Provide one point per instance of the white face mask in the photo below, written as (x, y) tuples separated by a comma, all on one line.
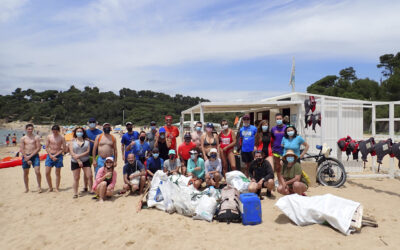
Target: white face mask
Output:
[(225, 126), (92, 125), (264, 128)]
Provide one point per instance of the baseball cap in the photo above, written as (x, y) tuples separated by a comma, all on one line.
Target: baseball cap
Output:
[(92, 120), (128, 123), (106, 123), (187, 135), (246, 117), (161, 130), (110, 158), (213, 150), (171, 152), (152, 123), (168, 117), (210, 125)]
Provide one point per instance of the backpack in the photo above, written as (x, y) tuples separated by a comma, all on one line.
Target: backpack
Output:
[(112, 137), (229, 208)]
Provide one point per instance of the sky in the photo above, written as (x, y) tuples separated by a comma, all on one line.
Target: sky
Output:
[(226, 50)]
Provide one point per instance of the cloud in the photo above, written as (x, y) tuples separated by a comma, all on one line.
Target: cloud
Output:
[(122, 43), (10, 9)]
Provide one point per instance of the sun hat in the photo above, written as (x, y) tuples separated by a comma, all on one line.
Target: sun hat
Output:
[(290, 152)]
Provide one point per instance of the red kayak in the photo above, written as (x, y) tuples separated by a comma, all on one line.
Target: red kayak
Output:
[(17, 161)]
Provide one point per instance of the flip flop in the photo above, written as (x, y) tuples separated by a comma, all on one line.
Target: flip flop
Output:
[(75, 196), (95, 197)]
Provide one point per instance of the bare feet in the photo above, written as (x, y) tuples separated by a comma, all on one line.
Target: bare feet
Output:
[(50, 190), (40, 190), (101, 200), (57, 190), (26, 190)]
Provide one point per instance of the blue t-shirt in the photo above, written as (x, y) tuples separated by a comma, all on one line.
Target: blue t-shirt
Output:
[(293, 144), (139, 150), (128, 138), (92, 134), (129, 169), (248, 134), (155, 164)]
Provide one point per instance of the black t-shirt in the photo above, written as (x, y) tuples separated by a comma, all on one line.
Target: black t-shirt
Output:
[(259, 172), (132, 168), (163, 150), (266, 139)]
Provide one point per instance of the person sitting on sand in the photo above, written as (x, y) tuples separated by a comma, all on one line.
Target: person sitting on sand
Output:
[(261, 174), (196, 168), (294, 181), (55, 147), (172, 165), (29, 148), (154, 163), (213, 168), (79, 149), (106, 146), (105, 180), (162, 143), (134, 175)]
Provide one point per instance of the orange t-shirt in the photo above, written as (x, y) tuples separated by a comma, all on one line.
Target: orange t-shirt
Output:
[(184, 149), (172, 132)]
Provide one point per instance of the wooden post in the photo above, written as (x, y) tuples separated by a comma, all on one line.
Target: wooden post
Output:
[(191, 120)]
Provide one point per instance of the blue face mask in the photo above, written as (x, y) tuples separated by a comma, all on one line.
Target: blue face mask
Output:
[(279, 122), (264, 128), (290, 159), (198, 128), (290, 133), (193, 157), (79, 134), (155, 155), (92, 125), (162, 136), (214, 156)]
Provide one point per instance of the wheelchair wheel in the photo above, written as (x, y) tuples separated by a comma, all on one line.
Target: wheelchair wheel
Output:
[(331, 172)]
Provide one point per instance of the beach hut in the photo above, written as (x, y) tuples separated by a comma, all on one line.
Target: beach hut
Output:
[(339, 117)]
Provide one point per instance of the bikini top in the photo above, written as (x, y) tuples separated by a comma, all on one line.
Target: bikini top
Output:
[(206, 143)]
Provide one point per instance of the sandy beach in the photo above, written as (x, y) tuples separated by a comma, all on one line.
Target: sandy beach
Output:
[(56, 221)]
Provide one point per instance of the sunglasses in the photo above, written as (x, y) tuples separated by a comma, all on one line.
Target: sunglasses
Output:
[(246, 119)]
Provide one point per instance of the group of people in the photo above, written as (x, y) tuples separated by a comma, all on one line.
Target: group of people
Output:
[(205, 156), (13, 139)]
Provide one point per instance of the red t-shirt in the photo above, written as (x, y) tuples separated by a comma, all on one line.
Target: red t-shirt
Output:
[(184, 149), (172, 132)]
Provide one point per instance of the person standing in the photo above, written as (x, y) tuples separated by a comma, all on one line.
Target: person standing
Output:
[(139, 147), (154, 163), (8, 140), (227, 140), (29, 148), (277, 134), (197, 134), (79, 148), (106, 146), (247, 135), (209, 140), (163, 144), (55, 147), (264, 141), (184, 149), (293, 141), (151, 135), (91, 134), (171, 131), (127, 138), (14, 139), (261, 174)]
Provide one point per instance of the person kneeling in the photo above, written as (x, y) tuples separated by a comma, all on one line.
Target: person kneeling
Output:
[(105, 180), (195, 168), (294, 181), (134, 175), (213, 169), (261, 175)]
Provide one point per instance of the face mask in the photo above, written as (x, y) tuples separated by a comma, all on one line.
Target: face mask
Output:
[(79, 134), (290, 133), (153, 128), (188, 140), (259, 160), (171, 157), (214, 156), (193, 157), (290, 159), (129, 129), (264, 128), (246, 124), (209, 129), (92, 125), (225, 127), (198, 128), (155, 155), (162, 136), (279, 122), (107, 130), (142, 138)]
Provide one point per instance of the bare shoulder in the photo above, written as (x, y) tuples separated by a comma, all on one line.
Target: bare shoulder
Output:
[(37, 138)]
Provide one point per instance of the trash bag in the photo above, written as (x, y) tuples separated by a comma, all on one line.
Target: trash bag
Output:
[(155, 184), (238, 180), (206, 208)]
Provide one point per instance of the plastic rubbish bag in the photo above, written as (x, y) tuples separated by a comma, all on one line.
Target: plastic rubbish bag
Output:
[(206, 208), (238, 180), (167, 190), (155, 183), (304, 210)]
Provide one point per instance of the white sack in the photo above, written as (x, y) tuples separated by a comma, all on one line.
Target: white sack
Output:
[(155, 183), (205, 210), (238, 180), (304, 210)]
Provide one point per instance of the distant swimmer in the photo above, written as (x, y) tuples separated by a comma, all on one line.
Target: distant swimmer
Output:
[(29, 148), (106, 146), (55, 147)]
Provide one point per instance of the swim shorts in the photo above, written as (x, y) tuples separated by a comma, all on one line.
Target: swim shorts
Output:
[(35, 162), (57, 163)]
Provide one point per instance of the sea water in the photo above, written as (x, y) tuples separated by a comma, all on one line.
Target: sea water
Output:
[(5, 132)]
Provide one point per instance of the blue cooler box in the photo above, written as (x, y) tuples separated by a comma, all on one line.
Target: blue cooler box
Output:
[(251, 209)]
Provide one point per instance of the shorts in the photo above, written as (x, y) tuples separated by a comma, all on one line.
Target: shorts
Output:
[(75, 165), (35, 162), (247, 157), (57, 163)]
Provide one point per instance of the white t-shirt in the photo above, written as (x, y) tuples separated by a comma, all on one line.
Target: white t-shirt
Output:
[(213, 165)]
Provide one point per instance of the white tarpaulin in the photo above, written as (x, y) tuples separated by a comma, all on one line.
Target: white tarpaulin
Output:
[(304, 210)]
